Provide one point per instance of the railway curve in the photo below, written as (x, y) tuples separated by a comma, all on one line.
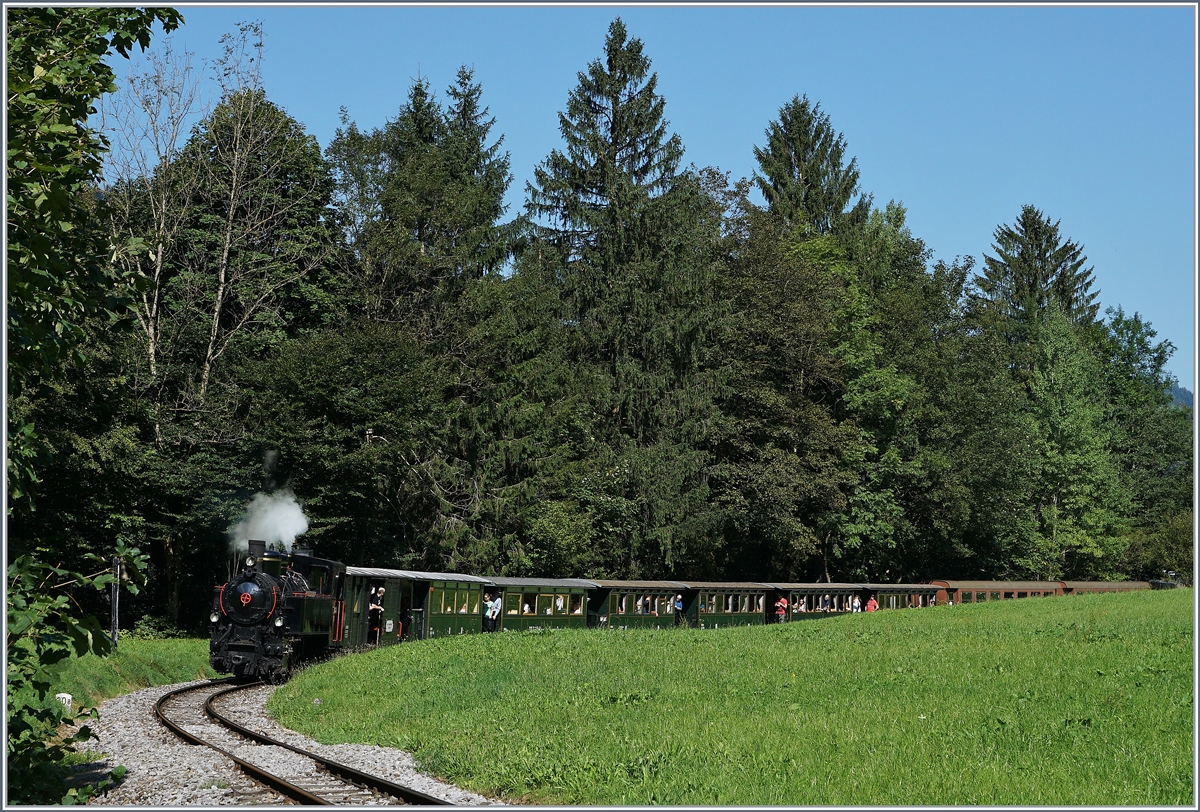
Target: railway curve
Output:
[(301, 777)]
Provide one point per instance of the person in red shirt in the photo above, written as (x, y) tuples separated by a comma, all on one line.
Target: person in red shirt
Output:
[(872, 605), (781, 606)]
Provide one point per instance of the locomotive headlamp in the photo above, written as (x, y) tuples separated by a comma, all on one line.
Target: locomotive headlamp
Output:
[(279, 621), (249, 561), (214, 617)]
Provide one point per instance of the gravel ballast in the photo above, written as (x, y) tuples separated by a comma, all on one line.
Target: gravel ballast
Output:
[(165, 771)]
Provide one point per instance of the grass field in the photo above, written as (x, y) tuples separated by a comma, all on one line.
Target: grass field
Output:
[(1075, 700), (133, 665)]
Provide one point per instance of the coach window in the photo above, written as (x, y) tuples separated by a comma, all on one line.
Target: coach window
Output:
[(512, 603), (980, 597), (576, 604), (435, 602), (1022, 594), (474, 601)]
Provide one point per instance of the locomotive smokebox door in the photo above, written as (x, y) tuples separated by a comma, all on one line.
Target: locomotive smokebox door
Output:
[(258, 548)]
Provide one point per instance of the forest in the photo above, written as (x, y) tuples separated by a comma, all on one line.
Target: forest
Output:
[(644, 373)]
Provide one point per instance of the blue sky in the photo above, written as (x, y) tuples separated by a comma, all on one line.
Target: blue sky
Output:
[(964, 114)]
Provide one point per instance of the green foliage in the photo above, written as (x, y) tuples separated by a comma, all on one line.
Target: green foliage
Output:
[(786, 463), (1071, 700), (1077, 498), (804, 178), (59, 275), (155, 628), (1034, 271), (632, 246), (420, 200), (44, 628)]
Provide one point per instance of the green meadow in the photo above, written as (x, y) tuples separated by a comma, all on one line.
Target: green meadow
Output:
[(1074, 700)]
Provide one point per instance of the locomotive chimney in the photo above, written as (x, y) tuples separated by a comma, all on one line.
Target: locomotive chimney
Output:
[(258, 548)]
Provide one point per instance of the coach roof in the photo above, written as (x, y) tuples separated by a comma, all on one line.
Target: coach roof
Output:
[(539, 583), (415, 575)]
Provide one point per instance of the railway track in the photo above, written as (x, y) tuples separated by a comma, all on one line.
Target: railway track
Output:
[(295, 775)]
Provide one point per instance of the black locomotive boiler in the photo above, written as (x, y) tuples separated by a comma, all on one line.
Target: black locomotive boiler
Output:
[(278, 610)]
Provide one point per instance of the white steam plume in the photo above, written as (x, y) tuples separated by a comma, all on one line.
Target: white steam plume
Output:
[(273, 517)]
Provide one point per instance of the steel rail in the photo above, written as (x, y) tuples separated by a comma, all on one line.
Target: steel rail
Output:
[(408, 794), (286, 788)]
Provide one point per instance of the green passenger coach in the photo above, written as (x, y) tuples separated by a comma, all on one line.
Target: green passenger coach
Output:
[(721, 605), (635, 604), (541, 604), (416, 605)]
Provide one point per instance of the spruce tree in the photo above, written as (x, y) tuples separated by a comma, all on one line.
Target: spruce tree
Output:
[(1034, 268), (630, 240), (618, 159), (803, 175), (420, 201)]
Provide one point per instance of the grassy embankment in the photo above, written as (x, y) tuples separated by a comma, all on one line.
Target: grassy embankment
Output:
[(133, 665), (1076, 700)]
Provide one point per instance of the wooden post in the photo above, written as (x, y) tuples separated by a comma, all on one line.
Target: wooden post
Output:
[(116, 591)]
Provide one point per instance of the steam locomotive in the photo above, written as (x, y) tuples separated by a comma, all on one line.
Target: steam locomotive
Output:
[(282, 609), (278, 610)]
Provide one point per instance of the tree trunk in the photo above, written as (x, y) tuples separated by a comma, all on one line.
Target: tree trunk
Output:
[(174, 561)]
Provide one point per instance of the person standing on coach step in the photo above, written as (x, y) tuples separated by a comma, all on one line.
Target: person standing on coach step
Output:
[(375, 616)]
